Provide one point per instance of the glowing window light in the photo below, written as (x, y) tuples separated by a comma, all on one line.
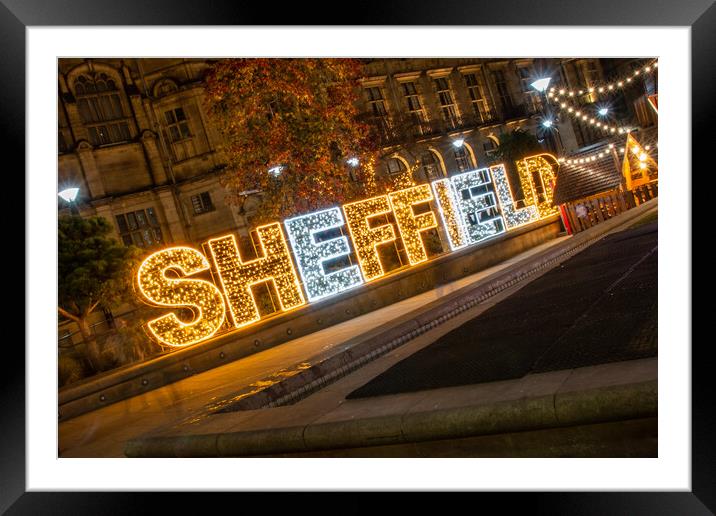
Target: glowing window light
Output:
[(514, 217), (447, 205), (539, 195), (311, 255), (237, 276), (410, 225), (479, 214), (365, 238), (202, 297)]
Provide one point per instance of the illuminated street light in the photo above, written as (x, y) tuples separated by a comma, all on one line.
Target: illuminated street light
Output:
[(275, 171), (353, 162), (458, 143), (541, 84), (547, 123), (603, 111), (69, 194)]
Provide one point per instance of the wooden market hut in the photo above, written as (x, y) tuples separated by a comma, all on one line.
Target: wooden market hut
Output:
[(590, 186)]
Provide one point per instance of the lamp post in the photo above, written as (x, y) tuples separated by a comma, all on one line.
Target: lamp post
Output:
[(69, 195), (548, 122)]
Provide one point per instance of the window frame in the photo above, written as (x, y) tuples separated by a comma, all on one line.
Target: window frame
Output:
[(131, 232), (98, 109)]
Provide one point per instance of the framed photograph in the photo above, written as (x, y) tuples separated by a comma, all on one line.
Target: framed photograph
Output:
[(385, 256)]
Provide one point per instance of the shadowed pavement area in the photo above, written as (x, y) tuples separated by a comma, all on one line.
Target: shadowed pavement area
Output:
[(599, 306)]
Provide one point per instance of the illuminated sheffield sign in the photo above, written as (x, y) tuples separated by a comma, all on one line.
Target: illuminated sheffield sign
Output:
[(472, 207)]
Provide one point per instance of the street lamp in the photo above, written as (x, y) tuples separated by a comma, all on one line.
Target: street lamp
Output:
[(69, 195), (353, 162), (458, 143), (541, 84), (603, 111)]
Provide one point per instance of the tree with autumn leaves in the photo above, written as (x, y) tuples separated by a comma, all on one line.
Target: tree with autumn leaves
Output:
[(292, 133)]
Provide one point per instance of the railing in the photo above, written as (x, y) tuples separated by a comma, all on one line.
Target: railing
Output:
[(397, 130), (644, 193), (586, 213)]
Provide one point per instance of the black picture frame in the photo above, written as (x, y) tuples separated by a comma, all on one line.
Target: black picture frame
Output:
[(17, 15)]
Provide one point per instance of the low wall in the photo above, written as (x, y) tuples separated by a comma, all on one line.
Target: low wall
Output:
[(136, 379)]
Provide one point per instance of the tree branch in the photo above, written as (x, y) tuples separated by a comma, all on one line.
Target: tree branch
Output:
[(67, 314)]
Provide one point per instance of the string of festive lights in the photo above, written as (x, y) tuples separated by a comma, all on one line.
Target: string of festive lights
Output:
[(586, 158), (202, 297), (514, 217), (366, 238), (477, 206), (312, 255), (237, 276), (582, 115), (410, 225), (646, 147), (556, 93)]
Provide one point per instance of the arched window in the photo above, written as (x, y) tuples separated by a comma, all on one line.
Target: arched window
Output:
[(100, 107), (490, 145), (395, 167), (430, 166), (462, 159)]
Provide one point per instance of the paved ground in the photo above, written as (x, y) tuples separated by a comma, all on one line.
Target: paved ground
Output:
[(598, 307)]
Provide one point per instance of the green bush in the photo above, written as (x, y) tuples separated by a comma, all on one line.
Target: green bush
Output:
[(69, 370)]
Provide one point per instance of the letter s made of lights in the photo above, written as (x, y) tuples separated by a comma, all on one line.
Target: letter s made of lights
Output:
[(202, 297)]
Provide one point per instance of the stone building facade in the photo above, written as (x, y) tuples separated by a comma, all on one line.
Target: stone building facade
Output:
[(134, 136)]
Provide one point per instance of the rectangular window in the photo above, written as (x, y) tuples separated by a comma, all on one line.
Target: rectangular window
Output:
[(530, 95), (376, 102), (525, 77), (412, 100), (503, 90), (395, 167), (591, 73), (477, 98), (96, 111), (139, 228), (202, 203), (448, 108), (179, 134), (177, 124), (489, 147), (463, 161)]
